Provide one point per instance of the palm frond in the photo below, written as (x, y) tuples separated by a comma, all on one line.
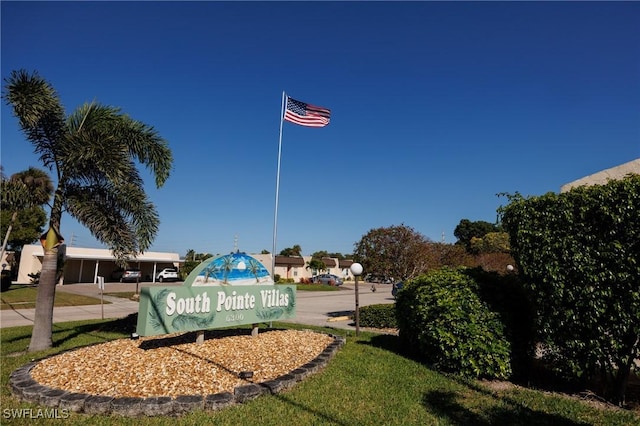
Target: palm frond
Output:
[(120, 216), (37, 106), (115, 140)]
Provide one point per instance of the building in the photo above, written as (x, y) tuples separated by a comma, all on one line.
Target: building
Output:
[(601, 178), (294, 267), (85, 265)]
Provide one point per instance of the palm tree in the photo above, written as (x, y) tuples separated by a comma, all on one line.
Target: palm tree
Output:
[(25, 190), (92, 154), (316, 265)]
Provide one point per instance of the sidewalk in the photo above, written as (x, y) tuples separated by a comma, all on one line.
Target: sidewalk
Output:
[(113, 307)]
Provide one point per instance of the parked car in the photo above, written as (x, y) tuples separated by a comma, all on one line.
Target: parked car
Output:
[(396, 288), (167, 274), (327, 279), (380, 279), (128, 274)]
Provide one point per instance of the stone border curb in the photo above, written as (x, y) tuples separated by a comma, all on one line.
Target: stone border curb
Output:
[(25, 388)]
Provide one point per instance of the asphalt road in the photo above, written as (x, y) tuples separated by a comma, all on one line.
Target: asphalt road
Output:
[(319, 308)]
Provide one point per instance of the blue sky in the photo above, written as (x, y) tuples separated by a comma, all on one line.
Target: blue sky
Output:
[(436, 107)]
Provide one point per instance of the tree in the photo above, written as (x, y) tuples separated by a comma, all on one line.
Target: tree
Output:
[(323, 253), (92, 153), (22, 215), (491, 242), (296, 250), (466, 230), (190, 256), (579, 255), (192, 260), (438, 255), (397, 252), (320, 254), (316, 264)]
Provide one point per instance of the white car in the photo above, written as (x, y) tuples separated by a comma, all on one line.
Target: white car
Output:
[(167, 274)]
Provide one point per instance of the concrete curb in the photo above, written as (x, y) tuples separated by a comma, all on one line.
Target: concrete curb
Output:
[(25, 388)]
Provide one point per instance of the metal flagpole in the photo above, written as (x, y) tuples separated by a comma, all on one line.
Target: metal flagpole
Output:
[(275, 215)]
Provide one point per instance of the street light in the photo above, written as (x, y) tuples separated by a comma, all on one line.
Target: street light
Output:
[(356, 270)]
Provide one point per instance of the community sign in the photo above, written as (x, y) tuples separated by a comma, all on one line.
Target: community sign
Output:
[(234, 289)]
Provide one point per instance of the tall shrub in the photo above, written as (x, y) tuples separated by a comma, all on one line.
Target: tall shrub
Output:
[(579, 254), (505, 294), (441, 316)]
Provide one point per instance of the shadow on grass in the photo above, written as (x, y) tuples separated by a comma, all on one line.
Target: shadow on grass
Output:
[(68, 335), (506, 410), (124, 326), (325, 417), (446, 405), (388, 342)]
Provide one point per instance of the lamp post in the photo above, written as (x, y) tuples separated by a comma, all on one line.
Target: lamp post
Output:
[(356, 270)]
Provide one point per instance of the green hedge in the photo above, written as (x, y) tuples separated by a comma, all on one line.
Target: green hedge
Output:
[(579, 256), (443, 320), (378, 316)]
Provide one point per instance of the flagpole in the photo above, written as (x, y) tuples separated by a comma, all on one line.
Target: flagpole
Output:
[(275, 215)]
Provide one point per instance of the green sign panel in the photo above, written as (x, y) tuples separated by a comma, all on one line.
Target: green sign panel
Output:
[(231, 290)]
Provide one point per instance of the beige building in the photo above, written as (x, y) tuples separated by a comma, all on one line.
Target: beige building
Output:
[(602, 177), (294, 267)]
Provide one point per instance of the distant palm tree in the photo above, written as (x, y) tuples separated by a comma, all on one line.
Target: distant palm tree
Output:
[(190, 256), (316, 265), (24, 190), (93, 154)]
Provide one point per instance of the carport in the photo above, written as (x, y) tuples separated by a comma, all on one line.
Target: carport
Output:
[(84, 265)]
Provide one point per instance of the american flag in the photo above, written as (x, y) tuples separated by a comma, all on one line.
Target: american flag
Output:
[(306, 115)]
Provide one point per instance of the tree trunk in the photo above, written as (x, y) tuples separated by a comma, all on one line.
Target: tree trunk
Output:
[(620, 381), (6, 237), (41, 337), (621, 376)]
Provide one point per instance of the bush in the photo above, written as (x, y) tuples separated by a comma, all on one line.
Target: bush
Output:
[(579, 255), (378, 316), (505, 294), (6, 280), (443, 320), (35, 278)]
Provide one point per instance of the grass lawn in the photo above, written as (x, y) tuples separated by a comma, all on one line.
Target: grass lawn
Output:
[(316, 287), (369, 382), (24, 297)]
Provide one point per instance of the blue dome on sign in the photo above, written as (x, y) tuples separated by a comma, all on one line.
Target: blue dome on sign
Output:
[(231, 269)]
